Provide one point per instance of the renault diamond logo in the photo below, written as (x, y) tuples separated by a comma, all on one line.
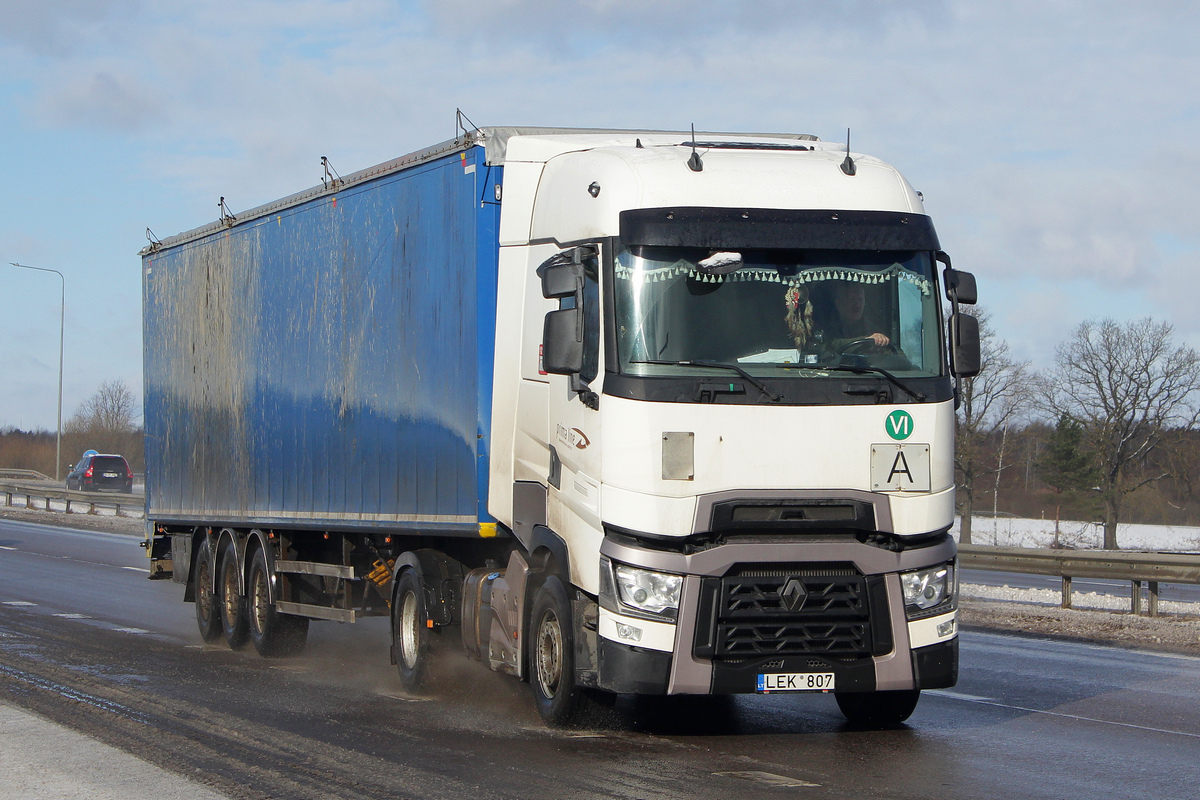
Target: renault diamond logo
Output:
[(793, 594)]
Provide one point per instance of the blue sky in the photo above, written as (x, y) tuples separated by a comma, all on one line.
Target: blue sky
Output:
[(1054, 141)]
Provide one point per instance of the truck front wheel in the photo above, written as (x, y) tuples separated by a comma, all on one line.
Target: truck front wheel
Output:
[(552, 655), (234, 622), (272, 633), (878, 709), (208, 612), (411, 639)]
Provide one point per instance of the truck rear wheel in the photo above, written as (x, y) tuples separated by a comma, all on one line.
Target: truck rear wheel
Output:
[(273, 634), (552, 655), (208, 612), (234, 622), (411, 639), (878, 709)]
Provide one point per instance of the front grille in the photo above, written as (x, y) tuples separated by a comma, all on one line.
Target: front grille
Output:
[(781, 610)]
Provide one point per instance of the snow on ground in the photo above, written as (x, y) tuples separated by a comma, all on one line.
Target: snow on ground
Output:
[(1016, 532), (1053, 597)]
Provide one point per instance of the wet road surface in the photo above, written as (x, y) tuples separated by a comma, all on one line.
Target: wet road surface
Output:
[(87, 641)]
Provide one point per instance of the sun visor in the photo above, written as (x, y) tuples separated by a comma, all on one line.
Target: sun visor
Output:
[(771, 228)]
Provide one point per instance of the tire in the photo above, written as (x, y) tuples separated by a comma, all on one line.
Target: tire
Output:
[(273, 634), (208, 612), (235, 623), (411, 640), (878, 709), (552, 655)]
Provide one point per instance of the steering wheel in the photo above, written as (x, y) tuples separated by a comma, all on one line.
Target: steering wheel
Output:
[(866, 345)]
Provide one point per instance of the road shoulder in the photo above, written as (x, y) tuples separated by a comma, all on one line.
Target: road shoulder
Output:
[(41, 759), (1169, 634)]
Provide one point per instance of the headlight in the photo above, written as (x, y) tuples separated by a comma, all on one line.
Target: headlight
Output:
[(927, 588), (649, 592)]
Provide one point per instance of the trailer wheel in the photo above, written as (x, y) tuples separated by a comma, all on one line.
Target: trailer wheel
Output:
[(208, 612), (552, 655), (878, 709), (411, 640), (273, 634), (234, 622)]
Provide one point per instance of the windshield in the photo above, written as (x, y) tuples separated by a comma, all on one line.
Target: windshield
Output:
[(775, 313)]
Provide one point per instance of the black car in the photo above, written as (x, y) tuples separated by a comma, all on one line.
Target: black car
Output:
[(96, 472)]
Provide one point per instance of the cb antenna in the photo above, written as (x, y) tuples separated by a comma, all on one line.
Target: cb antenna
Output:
[(848, 165), (694, 163)]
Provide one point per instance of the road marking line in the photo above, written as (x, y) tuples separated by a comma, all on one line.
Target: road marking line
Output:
[(6, 547), (130, 630), (136, 569), (403, 697), (18, 603), (1059, 643), (998, 704), (959, 695), (70, 616), (770, 779)]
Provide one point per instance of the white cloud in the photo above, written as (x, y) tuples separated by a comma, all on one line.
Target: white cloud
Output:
[(1054, 141)]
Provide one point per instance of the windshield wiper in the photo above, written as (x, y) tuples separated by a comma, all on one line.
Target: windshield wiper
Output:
[(863, 370), (755, 382)]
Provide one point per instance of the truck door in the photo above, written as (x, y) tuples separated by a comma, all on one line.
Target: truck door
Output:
[(571, 354)]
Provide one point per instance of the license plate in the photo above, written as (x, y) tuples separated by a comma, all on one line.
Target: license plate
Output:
[(796, 682), (110, 474)]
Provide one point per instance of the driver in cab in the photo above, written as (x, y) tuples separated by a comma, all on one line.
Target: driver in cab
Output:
[(850, 322)]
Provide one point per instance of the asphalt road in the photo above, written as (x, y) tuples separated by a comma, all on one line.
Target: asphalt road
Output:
[(87, 641)]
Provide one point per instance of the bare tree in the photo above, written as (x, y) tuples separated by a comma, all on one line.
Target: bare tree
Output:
[(1131, 388), (107, 421), (109, 410), (988, 404)]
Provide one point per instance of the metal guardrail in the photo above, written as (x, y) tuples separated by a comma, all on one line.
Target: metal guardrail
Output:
[(1137, 568), (92, 499), (23, 475)]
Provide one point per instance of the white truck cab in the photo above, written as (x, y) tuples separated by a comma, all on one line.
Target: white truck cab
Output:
[(722, 362)]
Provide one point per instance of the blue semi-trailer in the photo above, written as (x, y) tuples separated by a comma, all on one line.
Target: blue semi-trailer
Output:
[(581, 400)]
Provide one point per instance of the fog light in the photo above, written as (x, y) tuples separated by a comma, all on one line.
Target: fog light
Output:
[(946, 628), (629, 632)]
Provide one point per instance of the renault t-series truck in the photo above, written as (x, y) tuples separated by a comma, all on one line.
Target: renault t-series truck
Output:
[(619, 411)]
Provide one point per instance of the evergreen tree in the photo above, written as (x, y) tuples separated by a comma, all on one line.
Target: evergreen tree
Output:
[(1067, 464)]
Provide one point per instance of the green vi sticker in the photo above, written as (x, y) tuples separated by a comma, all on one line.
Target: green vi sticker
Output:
[(899, 424)]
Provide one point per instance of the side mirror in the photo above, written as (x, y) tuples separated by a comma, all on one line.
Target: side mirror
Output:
[(960, 286), (562, 342), (562, 332), (561, 276), (964, 346), (571, 335)]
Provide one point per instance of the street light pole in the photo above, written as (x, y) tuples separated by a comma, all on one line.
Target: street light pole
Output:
[(62, 315)]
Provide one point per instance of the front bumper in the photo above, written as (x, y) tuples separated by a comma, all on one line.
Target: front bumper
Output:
[(866, 641)]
